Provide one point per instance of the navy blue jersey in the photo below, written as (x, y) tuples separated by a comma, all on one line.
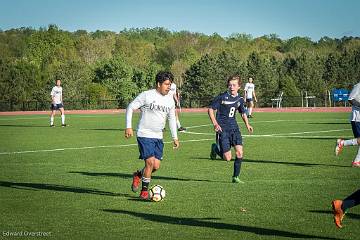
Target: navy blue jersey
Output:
[(227, 106)]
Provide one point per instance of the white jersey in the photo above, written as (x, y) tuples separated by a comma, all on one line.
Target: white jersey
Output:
[(249, 88), (154, 109), (172, 91), (56, 94), (354, 97)]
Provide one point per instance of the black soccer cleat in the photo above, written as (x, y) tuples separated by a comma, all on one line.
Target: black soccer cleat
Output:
[(182, 129)]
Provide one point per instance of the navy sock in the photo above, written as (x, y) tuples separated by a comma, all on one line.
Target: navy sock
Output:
[(352, 200), (145, 183), (237, 166)]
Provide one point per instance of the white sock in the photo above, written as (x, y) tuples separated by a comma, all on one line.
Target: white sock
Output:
[(250, 111), (51, 120), (357, 158), (178, 123), (351, 142), (63, 119)]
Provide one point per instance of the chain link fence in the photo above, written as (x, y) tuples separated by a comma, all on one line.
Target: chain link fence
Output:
[(85, 104)]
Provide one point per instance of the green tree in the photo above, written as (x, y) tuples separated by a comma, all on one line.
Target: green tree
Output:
[(117, 76)]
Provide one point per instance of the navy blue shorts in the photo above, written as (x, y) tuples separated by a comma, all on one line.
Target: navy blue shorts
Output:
[(228, 139), (356, 128), (249, 100), (150, 147), (56, 106)]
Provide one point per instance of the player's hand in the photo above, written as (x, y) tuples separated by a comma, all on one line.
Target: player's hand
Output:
[(217, 128), (129, 132), (250, 129), (176, 144)]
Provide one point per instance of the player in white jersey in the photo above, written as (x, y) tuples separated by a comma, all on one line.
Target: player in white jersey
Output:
[(155, 107), (354, 99), (250, 96), (173, 93), (57, 103)]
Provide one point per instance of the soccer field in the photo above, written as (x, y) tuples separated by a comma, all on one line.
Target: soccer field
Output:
[(74, 182)]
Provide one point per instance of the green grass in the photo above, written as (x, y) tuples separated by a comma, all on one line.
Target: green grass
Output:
[(76, 192)]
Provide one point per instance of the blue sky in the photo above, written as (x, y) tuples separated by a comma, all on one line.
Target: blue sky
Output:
[(286, 18)]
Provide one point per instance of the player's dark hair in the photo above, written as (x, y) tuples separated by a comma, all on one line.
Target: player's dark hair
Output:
[(162, 76), (234, 77)]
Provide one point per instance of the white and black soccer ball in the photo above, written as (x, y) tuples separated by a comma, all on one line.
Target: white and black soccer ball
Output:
[(157, 193)]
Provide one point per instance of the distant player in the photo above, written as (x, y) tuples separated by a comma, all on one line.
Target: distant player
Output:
[(354, 99), (227, 130), (250, 96), (156, 106), (340, 206), (175, 95), (57, 103)]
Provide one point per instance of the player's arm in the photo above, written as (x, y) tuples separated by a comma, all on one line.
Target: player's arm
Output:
[(255, 99), (246, 121), (212, 117), (244, 117), (173, 128), (136, 104), (52, 94), (176, 98), (245, 91)]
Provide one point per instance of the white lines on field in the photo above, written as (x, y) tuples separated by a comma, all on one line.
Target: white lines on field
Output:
[(274, 121), (282, 134), (93, 147)]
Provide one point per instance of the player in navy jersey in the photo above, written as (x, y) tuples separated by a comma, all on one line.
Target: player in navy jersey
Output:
[(227, 130)]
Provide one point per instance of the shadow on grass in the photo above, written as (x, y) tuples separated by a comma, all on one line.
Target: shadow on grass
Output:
[(298, 164), (329, 212), (58, 188), (129, 176), (201, 222)]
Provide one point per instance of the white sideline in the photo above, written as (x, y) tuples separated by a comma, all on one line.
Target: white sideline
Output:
[(268, 121), (279, 135), (91, 147)]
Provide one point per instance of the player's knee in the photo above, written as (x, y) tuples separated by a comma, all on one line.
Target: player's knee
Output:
[(358, 141), (227, 157), (239, 154)]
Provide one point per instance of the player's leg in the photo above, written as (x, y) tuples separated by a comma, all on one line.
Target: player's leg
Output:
[(340, 207), (356, 131), (237, 143), (247, 107), (251, 105), (146, 146), (225, 145), (237, 163), (146, 177), (216, 148), (52, 115), (62, 111), (341, 143), (178, 124)]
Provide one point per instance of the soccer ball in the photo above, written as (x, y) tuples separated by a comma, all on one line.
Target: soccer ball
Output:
[(157, 193)]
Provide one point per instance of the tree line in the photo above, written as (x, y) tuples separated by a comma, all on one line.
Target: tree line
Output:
[(108, 65)]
